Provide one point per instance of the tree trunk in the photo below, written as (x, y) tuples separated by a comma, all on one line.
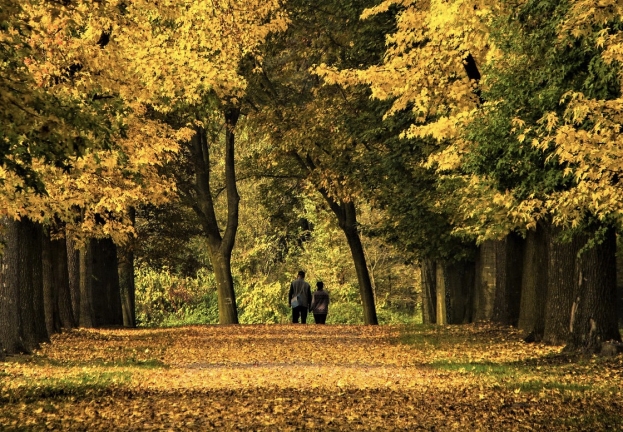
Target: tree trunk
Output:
[(359, 258), (50, 294), (86, 285), (9, 293), (125, 256), (61, 282), (459, 278), (561, 283), (440, 283), (593, 313), (219, 247), (485, 285), (620, 280), (73, 269), (34, 277), (509, 256), (534, 284), (106, 293), (30, 284), (429, 291)]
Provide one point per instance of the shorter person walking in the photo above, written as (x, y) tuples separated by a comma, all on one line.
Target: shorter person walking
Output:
[(299, 298), (320, 304)]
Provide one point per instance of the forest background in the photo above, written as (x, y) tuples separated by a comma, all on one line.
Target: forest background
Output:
[(178, 162)]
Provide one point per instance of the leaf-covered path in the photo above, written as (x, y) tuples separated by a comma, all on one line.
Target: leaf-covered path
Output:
[(285, 377)]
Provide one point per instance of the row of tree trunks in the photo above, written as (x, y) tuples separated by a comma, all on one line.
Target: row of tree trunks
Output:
[(447, 291), (46, 286), (560, 292)]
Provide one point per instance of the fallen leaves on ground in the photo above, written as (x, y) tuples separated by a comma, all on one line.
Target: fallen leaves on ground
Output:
[(295, 377)]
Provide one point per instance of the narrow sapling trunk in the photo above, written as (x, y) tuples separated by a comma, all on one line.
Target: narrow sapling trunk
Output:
[(220, 247)]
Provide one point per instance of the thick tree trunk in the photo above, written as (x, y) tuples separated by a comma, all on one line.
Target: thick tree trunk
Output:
[(125, 256), (459, 277), (509, 256), (10, 336), (106, 293), (220, 247), (485, 285), (429, 291), (50, 294), (86, 285), (34, 277), (534, 284), (620, 280), (73, 269), (561, 283), (30, 284), (593, 313)]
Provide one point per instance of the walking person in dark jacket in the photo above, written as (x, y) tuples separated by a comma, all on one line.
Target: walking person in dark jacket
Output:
[(320, 304), (299, 298)]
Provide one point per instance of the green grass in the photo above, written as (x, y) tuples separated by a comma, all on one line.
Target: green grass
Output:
[(79, 385), (490, 369)]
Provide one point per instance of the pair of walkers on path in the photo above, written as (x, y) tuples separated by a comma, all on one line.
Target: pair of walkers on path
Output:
[(302, 300)]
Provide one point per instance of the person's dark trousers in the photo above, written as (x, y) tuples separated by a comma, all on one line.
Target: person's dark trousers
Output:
[(299, 311), (320, 318)]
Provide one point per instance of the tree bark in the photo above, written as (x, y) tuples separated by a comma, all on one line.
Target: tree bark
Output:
[(86, 285), (593, 313), (429, 291), (459, 278), (534, 284), (561, 283), (346, 214), (61, 283), (34, 277), (509, 256), (485, 285), (106, 293), (125, 256), (30, 284), (50, 294), (73, 269), (620, 280), (219, 247), (440, 283), (10, 336), (349, 226)]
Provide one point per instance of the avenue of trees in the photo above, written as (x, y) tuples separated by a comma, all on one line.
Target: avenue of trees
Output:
[(473, 142)]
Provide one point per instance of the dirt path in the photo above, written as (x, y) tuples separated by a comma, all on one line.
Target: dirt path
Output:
[(307, 378)]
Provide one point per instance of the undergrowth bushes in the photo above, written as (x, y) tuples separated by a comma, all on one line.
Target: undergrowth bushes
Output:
[(166, 299)]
